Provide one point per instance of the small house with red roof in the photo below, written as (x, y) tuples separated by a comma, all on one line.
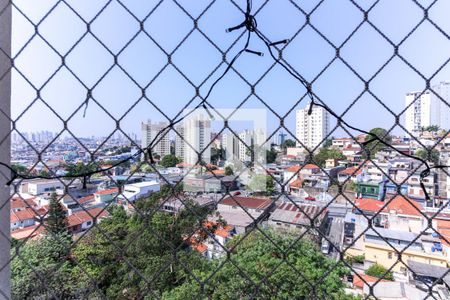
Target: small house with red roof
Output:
[(211, 241), (105, 196), (84, 219)]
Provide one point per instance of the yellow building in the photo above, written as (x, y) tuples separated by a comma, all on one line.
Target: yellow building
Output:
[(425, 249)]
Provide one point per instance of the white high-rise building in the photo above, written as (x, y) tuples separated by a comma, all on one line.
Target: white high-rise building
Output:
[(245, 144), (427, 109), (179, 142), (197, 134), (312, 130), (150, 131), (443, 90), (230, 144)]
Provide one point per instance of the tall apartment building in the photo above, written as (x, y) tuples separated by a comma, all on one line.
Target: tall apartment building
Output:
[(230, 144), (237, 148), (313, 129), (197, 137), (179, 142), (149, 131), (426, 108), (245, 142)]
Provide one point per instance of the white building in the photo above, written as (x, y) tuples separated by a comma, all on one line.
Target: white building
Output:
[(230, 145), (150, 131), (245, 143), (427, 109), (39, 187), (312, 130), (179, 142), (134, 191), (197, 136)]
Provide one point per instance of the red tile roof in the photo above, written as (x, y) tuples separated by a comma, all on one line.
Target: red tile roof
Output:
[(247, 202), (296, 183), (359, 283), (404, 207), (86, 199), (27, 232), (22, 215), (18, 202), (82, 216), (399, 204), (351, 170), (108, 191), (293, 169)]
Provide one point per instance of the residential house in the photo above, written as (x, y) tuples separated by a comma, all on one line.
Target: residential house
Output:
[(134, 191), (41, 186), (300, 217), (420, 248), (211, 241), (82, 220), (22, 218), (106, 196), (244, 212), (399, 213), (342, 143), (430, 183), (351, 172)]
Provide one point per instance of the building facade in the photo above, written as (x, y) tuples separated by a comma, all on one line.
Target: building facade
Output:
[(151, 130), (312, 129), (425, 109)]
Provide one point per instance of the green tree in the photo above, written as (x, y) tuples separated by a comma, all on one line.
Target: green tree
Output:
[(148, 240), (169, 161), (279, 262), (327, 153), (82, 170), (217, 154), (263, 184), (43, 269), (56, 217), (287, 144), (372, 144), (21, 169), (229, 171), (431, 155), (271, 156), (431, 128), (328, 142), (377, 270)]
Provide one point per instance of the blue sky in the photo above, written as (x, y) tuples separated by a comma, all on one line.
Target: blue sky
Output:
[(426, 49)]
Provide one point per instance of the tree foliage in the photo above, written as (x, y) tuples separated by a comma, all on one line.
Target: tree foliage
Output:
[(169, 161), (258, 258), (217, 154), (43, 270), (229, 171), (372, 144), (56, 217), (287, 144), (144, 255), (327, 153), (21, 169), (271, 156), (431, 155), (82, 170), (262, 184), (377, 270)]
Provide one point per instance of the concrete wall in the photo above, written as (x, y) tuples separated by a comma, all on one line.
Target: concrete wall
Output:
[(5, 101)]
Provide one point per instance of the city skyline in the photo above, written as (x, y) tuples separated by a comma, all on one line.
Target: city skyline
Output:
[(338, 86)]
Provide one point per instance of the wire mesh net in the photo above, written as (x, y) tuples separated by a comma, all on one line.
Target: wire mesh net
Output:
[(237, 217)]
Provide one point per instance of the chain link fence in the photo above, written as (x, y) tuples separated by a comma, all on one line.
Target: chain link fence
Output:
[(195, 233)]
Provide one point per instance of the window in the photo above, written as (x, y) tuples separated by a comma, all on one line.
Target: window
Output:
[(390, 255), (89, 223)]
